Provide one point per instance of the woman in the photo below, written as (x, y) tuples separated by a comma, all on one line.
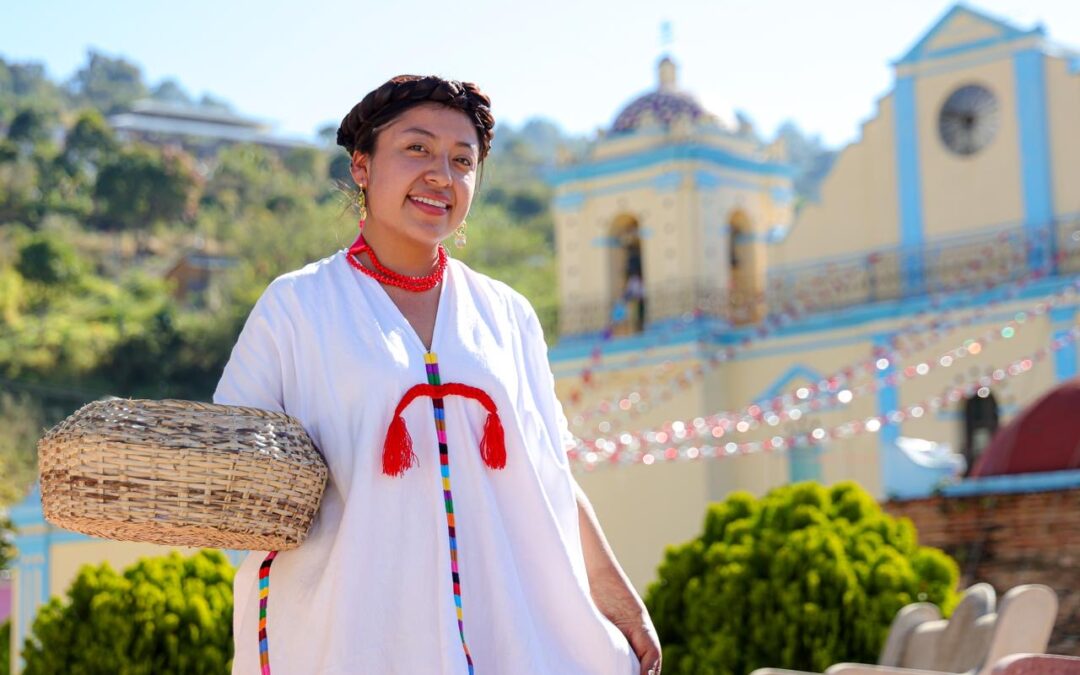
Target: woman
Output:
[(452, 537)]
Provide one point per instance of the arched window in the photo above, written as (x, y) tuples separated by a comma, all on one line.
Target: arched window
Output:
[(980, 424), (740, 267), (628, 271)]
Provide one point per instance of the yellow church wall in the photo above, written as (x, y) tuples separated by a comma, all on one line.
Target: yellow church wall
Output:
[(623, 144), (967, 193), (856, 459), (1063, 113), (585, 257), (962, 29), (858, 207), (756, 473), (644, 509), (684, 228), (68, 558)]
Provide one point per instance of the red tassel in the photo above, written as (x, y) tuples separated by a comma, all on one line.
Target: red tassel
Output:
[(493, 443), (398, 456)]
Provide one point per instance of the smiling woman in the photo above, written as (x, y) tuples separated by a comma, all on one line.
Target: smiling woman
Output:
[(452, 536)]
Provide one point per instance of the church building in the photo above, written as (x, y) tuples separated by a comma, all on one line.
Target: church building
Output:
[(717, 337)]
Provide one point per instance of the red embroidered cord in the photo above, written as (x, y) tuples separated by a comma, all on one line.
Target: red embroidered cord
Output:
[(398, 455)]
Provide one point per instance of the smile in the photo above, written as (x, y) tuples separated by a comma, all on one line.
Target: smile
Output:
[(434, 203)]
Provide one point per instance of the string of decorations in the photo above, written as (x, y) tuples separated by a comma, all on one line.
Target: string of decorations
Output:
[(802, 300), (662, 448), (771, 325), (832, 387), (831, 391)]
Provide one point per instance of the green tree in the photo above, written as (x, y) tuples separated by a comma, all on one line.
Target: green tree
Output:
[(142, 186), (26, 82), (5, 648), (30, 126), (162, 615), (48, 260), (7, 542), (106, 83), (22, 421), (170, 91), (89, 141), (802, 578)]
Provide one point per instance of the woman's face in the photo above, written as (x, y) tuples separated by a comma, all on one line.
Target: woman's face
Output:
[(421, 175)]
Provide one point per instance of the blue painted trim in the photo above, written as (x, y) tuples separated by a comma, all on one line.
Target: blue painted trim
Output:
[(715, 332), (707, 180), (571, 201), (1062, 315), (909, 182), (977, 45), (28, 513), (777, 234), (782, 195), (1008, 33), (1030, 74), (664, 182), (1049, 481), (770, 236), (678, 152), (978, 58), (1065, 360), (804, 463), (888, 399)]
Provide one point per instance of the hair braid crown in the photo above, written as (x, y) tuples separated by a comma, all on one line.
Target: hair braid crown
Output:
[(381, 106)]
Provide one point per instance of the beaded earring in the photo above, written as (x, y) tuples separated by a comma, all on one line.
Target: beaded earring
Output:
[(361, 205), (459, 236)]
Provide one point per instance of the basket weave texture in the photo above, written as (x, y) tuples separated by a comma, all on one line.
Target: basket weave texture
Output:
[(182, 473)]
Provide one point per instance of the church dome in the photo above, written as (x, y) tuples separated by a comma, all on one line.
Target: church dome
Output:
[(1043, 437), (664, 105)]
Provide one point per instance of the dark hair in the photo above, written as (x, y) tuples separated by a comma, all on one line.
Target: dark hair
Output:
[(359, 128)]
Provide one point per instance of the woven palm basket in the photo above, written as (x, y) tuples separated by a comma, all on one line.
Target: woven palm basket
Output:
[(182, 473)]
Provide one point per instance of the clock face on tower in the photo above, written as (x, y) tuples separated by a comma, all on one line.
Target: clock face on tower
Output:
[(968, 120)]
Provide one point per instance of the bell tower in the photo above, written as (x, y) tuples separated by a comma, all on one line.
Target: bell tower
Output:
[(667, 212)]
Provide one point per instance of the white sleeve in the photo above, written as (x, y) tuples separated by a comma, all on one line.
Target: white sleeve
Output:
[(538, 368), (253, 375)]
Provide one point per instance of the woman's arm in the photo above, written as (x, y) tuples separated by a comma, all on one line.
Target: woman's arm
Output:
[(612, 591)]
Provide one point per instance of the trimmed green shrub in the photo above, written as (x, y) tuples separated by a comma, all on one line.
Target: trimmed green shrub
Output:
[(163, 615), (5, 647), (801, 578)]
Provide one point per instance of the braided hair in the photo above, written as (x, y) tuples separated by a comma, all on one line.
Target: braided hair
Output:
[(380, 107)]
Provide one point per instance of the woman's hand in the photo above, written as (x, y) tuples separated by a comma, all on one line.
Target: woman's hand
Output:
[(643, 640)]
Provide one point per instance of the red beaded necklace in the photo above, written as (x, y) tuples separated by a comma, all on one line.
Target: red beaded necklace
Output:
[(385, 275)]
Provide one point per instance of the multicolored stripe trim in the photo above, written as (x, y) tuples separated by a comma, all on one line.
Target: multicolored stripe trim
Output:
[(264, 596), (432, 364)]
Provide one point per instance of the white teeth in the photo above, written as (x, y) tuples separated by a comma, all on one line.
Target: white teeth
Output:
[(432, 202)]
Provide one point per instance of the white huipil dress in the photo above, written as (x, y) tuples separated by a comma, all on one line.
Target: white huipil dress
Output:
[(370, 590)]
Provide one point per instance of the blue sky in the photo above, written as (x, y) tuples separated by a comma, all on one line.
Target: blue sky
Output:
[(299, 65)]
